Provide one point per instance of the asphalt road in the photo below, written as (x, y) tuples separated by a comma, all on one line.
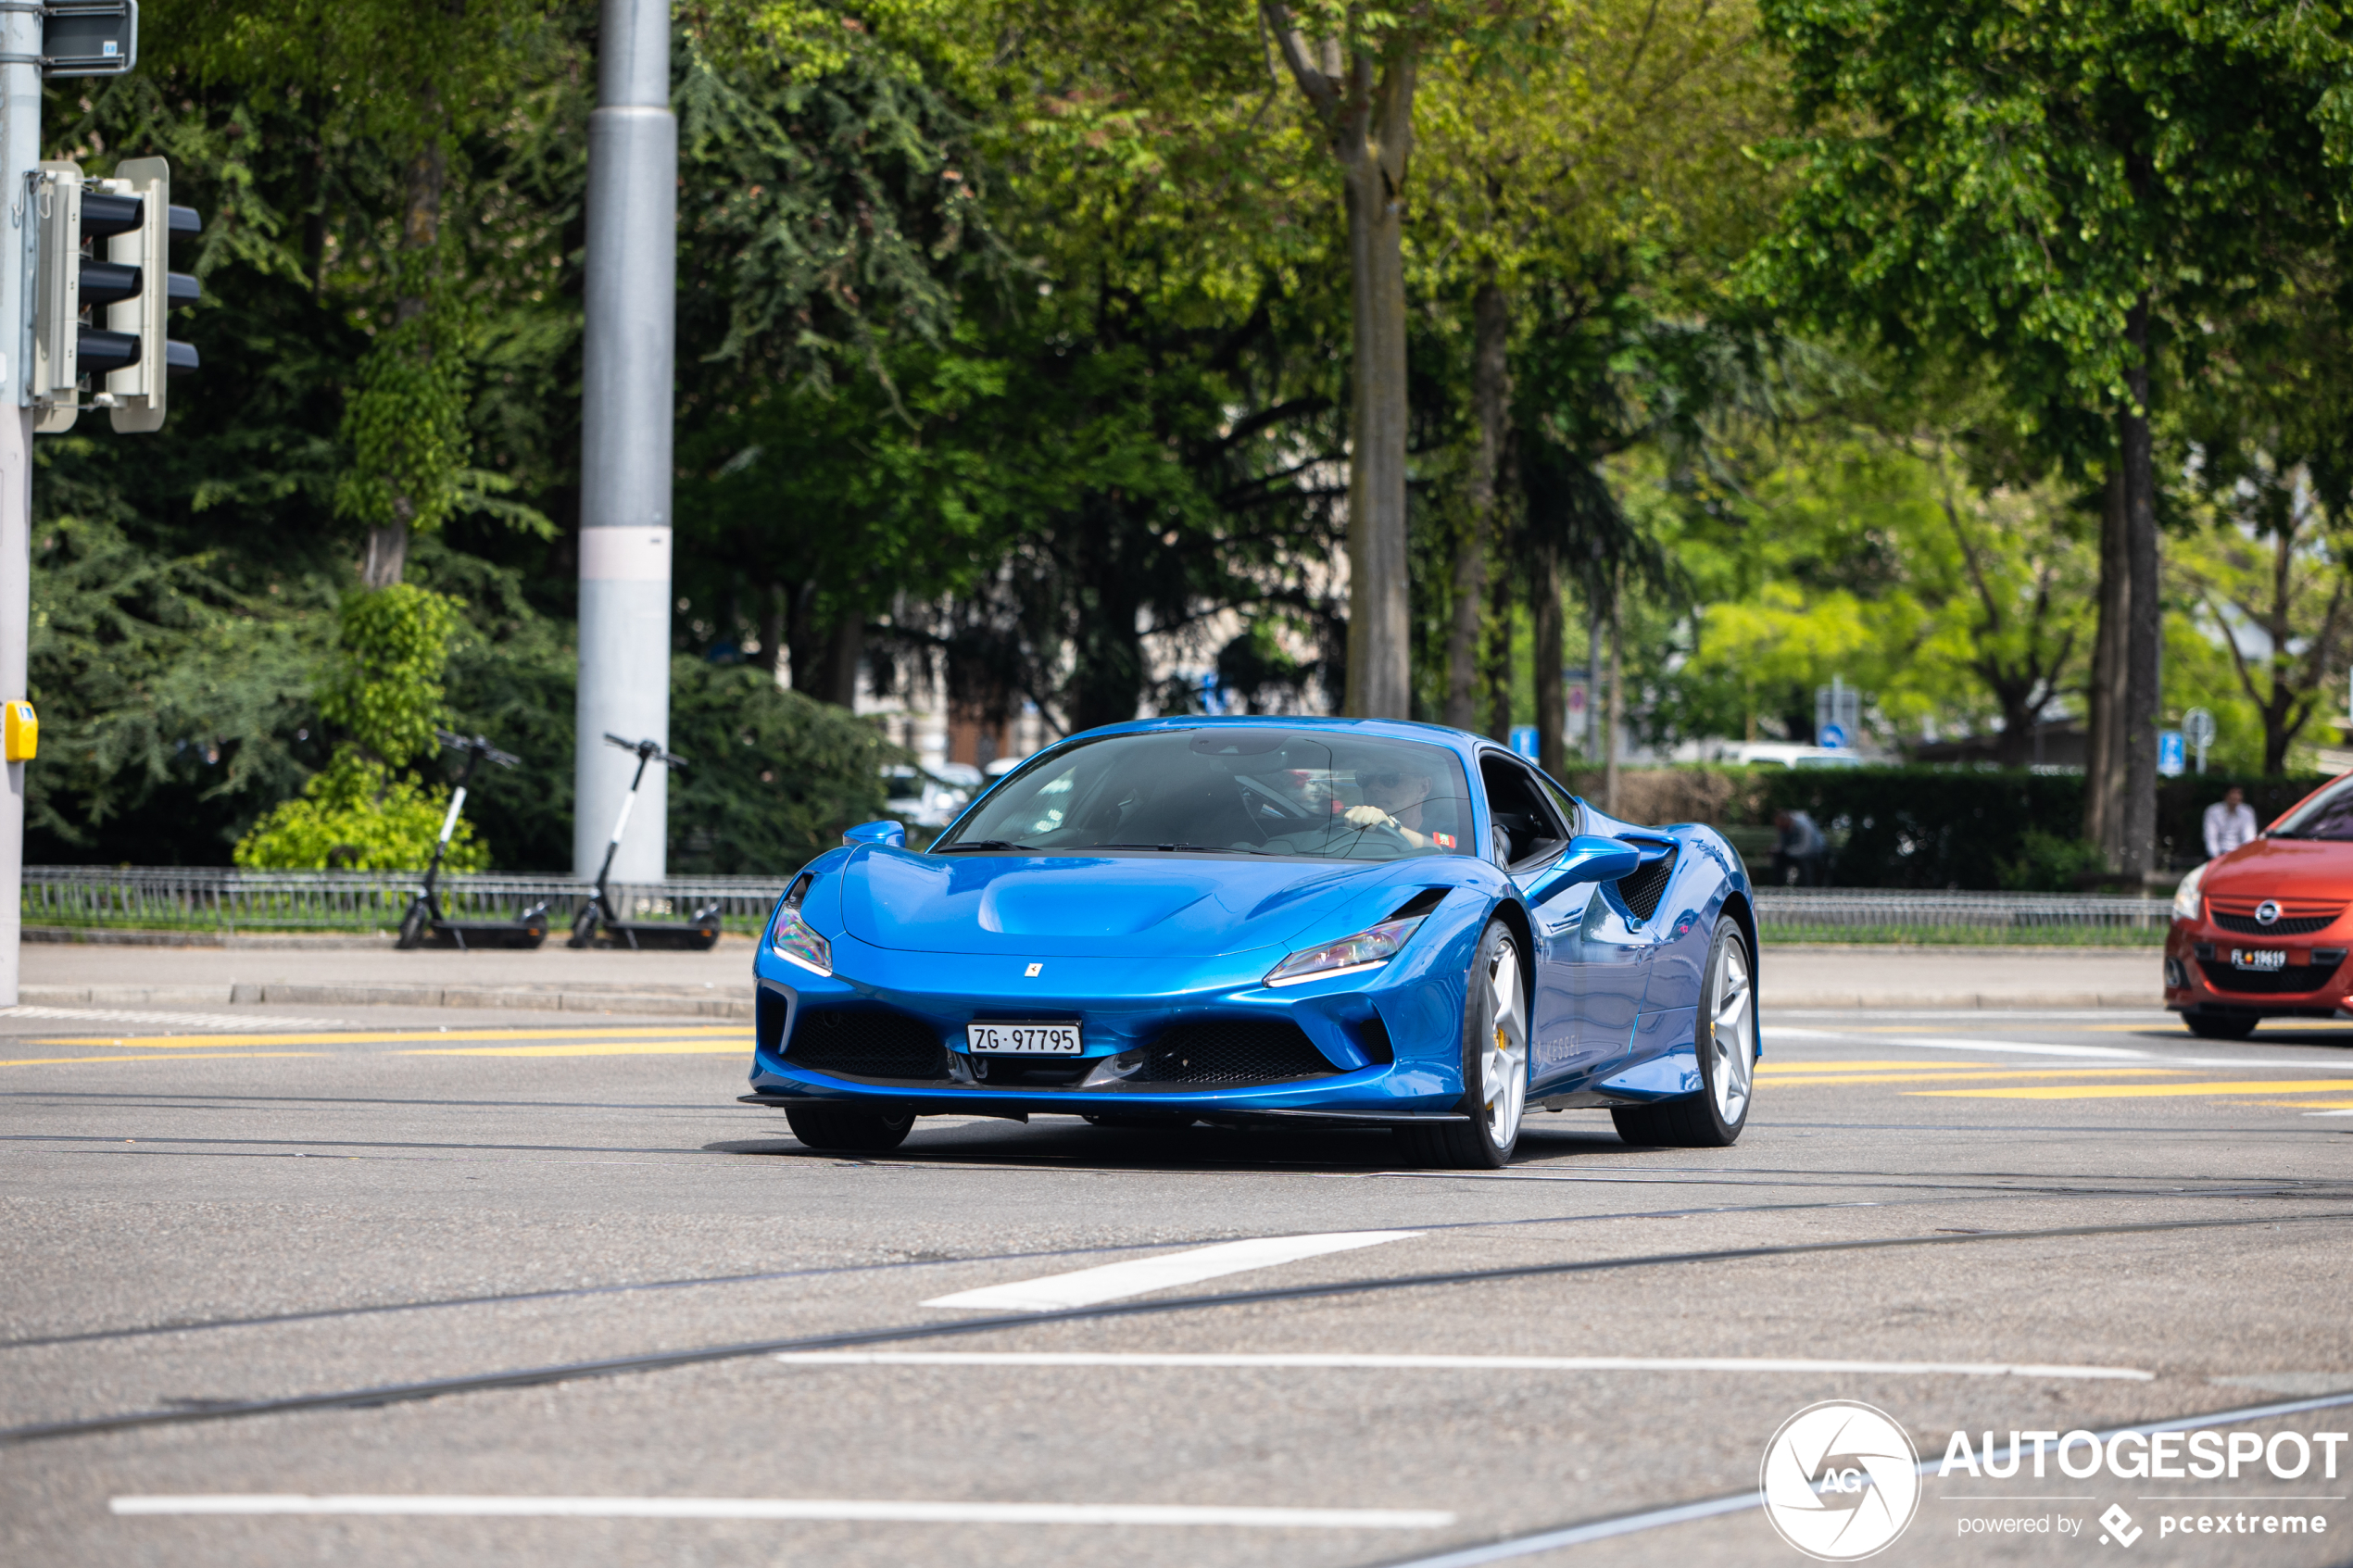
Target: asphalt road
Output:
[(528, 1279)]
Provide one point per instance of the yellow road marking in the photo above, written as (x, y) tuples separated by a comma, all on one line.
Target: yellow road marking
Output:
[(1782, 1064), (1793, 1079), (2125, 1091), (586, 1031), (209, 1055), (642, 1047)]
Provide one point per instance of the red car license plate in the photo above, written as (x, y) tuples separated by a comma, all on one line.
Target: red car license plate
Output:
[(2259, 957)]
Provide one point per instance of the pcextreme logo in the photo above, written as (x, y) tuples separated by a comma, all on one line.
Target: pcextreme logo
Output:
[(1840, 1480)]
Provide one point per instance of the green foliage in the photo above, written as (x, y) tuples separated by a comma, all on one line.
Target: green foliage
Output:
[(2051, 863), (405, 425), (387, 686), (356, 815), (772, 777)]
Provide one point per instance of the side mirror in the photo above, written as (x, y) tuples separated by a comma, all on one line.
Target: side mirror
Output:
[(1588, 859), (890, 836)]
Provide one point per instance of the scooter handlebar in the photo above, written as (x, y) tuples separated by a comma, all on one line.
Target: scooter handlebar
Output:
[(649, 749), (479, 745)]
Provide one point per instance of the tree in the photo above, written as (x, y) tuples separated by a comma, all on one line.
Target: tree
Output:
[(2062, 190)]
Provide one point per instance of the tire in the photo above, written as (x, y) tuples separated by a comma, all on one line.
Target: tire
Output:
[(1494, 1064), (848, 1129), (1726, 1045), (412, 927), (2222, 1025), (583, 926)]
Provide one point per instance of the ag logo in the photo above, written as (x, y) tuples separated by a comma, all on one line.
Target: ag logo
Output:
[(1840, 1480)]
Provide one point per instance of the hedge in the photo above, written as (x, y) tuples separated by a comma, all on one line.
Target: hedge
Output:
[(1927, 827)]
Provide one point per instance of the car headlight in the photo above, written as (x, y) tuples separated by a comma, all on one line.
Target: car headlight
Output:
[(792, 940), (2185, 899), (1367, 949)]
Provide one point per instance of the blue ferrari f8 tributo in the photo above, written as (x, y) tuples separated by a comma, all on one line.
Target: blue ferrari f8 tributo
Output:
[(1354, 921)]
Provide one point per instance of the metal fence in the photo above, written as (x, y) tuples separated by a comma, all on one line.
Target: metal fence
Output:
[(2027, 916), (209, 898)]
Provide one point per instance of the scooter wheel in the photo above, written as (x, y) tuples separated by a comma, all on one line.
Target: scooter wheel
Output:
[(412, 928), (583, 926)]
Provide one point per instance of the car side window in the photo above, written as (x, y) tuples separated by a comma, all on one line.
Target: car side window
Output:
[(1527, 827), (1571, 811)]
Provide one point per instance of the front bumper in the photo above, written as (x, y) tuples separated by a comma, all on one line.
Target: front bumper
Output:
[(2314, 981), (1385, 1045)]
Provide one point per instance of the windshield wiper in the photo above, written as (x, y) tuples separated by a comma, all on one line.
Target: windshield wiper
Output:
[(980, 844), (1201, 848)]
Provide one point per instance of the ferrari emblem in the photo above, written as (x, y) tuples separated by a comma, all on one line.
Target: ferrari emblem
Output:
[(1031, 972)]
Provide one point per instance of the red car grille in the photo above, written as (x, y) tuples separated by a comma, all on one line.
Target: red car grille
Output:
[(2299, 917)]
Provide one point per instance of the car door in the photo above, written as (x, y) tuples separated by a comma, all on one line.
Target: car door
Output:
[(1604, 963), (1531, 833)]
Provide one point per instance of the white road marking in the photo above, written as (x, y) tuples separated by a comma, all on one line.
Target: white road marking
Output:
[(856, 1509), (1445, 1363), (2019, 1047), (1085, 1287), (185, 1020)]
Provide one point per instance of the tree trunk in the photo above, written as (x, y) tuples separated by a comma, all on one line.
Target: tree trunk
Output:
[(1366, 108), (1616, 714), (428, 172), (1491, 396), (1499, 659), (2104, 759), (1544, 611), (843, 651), (1593, 679), (2142, 644), (773, 656)]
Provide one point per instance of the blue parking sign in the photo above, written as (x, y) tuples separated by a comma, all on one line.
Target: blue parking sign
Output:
[(1524, 740), (2172, 755)]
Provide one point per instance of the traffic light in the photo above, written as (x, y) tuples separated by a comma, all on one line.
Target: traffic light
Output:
[(104, 253)]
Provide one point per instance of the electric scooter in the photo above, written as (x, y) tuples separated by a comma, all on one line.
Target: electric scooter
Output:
[(424, 918), (700, 933)]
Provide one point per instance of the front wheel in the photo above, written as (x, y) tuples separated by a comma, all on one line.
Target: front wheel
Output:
[(2222, 1025), (1725, 1043), (847, 1129), (583, 926), (412, 926), (1494, 1064)]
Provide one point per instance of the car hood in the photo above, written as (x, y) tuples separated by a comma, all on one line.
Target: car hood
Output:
[(1107, 906), (2283, 868)]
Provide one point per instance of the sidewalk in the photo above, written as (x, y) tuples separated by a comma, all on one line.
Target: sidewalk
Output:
[(1940, 978), (718, 984), (553, 978)]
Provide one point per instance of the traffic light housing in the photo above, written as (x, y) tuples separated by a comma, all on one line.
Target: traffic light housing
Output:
[(102, 255)]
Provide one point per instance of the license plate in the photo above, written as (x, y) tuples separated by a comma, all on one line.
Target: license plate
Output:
[(2259, 957), (1022, 1039)]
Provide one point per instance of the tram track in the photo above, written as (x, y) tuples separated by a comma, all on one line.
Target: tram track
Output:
[(1929, 1195), (525, 1378)]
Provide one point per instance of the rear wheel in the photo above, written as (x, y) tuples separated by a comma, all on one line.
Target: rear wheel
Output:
[(412, 926), (583, 926), (2222, 1025), (847, 1129), (1495, 1065), (1725, 1043)]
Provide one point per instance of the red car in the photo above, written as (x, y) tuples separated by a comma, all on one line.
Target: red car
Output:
[(2263, 931)]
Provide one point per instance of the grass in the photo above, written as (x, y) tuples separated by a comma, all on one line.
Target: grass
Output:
[(1969, 936)]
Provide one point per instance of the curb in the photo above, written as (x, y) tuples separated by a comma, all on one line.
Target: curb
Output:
[(1991, 1001), (704, 1002)]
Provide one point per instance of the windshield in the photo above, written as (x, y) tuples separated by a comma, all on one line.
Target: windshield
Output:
[(2327, 815), (1231, 791)]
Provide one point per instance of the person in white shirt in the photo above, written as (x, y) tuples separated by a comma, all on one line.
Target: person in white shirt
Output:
[(2230, 822)]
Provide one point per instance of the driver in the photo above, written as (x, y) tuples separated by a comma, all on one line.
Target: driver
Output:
[(1394, 799)]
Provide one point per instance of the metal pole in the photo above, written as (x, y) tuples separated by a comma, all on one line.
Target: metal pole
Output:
[(626, 432), (20, 31)]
